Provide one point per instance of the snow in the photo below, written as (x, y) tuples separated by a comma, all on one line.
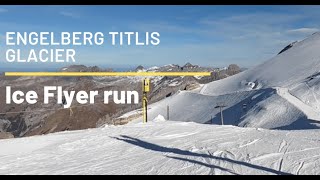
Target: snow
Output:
[(159, 118), (153, 68), (156, 79), (289, 68), (282, 93), (265, 109), (307, 110), (174, 83), (164, 148), (251, 84), (198, 77), (169, 65), (276, 105), (141, 70)]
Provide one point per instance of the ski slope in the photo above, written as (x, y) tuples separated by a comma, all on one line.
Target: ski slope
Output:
[(265, 109), (164, 147), (287, 69), (307, 110), (282, 93)]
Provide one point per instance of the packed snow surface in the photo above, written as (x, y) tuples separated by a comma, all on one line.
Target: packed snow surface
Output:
[(164, 147)]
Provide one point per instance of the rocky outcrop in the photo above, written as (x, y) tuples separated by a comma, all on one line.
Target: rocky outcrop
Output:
[(233, 69), (287, 47)]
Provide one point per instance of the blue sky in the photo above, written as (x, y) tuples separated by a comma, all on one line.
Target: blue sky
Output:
[(205, 35)]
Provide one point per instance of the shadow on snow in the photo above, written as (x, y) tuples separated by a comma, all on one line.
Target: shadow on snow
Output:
[(158, 148)]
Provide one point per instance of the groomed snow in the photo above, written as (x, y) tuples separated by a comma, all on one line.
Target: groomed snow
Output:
[(164, 147)]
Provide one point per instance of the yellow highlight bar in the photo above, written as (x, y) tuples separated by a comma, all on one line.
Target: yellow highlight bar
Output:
[(107, 73)]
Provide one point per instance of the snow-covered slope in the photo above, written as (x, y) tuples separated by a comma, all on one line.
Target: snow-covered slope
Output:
[(287, 69), (282, 93), (265, 109), (164, 147)]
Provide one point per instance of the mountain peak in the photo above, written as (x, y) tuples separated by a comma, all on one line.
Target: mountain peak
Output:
[(139, 68), (189, 65)]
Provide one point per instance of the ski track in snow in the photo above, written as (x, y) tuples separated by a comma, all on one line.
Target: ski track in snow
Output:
[(163, 148), (250, 143), (299, 168), (307, 110)]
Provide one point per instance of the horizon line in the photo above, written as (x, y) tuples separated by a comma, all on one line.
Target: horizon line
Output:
[(107, 74)]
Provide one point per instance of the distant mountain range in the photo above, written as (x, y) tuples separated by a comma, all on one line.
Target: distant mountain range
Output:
[(42, 119)]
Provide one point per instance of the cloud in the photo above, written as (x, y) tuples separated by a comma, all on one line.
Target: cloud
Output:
[(264, 32), (2, 10), (303, 31), (69, 14), (225, 37), (251, 37), (257, 18), (256, 36)]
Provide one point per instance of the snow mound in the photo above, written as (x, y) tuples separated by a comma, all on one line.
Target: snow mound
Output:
[(159, 118)]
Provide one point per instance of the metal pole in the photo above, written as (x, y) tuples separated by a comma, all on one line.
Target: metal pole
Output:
[(146, 109), (168, 113), (143, 110), (221, 115), (220, 106)]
